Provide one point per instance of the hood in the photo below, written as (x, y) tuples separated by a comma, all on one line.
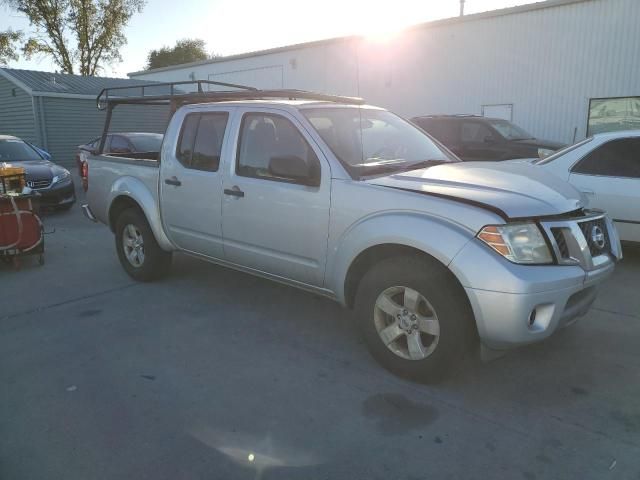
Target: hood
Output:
[(37, 169), (540, 143), (513, 190)]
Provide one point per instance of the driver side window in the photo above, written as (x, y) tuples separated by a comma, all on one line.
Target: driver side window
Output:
[(267, 139)]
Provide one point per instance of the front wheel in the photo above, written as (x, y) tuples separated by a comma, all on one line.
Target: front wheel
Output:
[(415, 318), (138, 251)]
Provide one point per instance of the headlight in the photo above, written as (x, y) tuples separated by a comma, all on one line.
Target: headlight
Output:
[(545, 152), (518, 243), (61, 175)]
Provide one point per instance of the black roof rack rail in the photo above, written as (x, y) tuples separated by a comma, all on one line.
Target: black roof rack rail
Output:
[(147, 94), (170, 93)]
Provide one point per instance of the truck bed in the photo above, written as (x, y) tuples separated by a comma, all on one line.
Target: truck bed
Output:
[(107, 170)]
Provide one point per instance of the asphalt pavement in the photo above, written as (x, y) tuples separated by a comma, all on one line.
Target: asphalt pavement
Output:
[(214, 374)]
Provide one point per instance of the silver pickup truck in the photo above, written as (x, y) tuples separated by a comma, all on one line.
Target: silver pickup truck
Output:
[(352, 202)]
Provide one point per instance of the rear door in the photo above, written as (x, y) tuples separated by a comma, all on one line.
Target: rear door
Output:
[(274, 224), (480, 142), (610, 177), (191, 182)]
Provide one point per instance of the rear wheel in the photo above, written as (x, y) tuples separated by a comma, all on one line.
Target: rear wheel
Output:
[(415, 318), (138, 251)]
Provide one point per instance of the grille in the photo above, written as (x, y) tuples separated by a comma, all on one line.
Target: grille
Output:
[(558, 235), (587, 230), (36, 184)]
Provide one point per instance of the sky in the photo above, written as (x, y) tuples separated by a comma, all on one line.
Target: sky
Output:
[(230, 26)]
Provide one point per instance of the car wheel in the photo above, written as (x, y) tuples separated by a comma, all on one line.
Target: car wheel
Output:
[(138, 251), (415, 317)]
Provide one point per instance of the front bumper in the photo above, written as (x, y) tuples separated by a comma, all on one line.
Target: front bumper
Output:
[(57, 195), (519, 304)]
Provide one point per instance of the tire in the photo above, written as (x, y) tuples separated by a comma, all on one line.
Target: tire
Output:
[(153, 262), (439, 297)]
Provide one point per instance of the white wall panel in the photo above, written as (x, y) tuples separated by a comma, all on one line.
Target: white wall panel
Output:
[(547, 62)]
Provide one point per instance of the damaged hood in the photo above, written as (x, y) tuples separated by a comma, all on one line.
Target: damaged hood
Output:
[(514, 190)]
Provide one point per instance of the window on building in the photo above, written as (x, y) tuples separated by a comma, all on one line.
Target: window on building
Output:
[(617, 158), (613, 114)]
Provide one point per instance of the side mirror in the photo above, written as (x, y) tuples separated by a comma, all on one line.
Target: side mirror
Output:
[(294, 168)]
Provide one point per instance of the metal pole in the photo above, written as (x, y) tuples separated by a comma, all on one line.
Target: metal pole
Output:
[(462, 8), (105, 131)]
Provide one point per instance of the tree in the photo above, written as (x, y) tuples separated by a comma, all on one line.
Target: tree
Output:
[(86, 34), (185, 51), (8, 51)]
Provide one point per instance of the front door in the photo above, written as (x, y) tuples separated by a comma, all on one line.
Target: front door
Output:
[(271, 223), (191, 183)]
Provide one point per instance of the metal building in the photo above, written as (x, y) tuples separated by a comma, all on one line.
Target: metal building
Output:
[(58, 112), (559, 68)]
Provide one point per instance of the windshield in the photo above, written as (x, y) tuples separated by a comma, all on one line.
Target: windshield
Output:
[(509, 131), (14, 150), (559, 153), (371, 142), (146, 143)]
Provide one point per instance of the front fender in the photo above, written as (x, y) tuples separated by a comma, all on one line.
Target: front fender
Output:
[(147, 201), (435, 236)]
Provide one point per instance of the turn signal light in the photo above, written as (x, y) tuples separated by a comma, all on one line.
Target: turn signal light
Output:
[(492, 237)]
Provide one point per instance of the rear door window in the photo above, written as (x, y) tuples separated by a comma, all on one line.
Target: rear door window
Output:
[(443, 130), (617, 158), (200, 143), (474, 132)]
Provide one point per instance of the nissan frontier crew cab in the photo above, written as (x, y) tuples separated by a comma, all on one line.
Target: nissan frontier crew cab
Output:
[(352, 202)]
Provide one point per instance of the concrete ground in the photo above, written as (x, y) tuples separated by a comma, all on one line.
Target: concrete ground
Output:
[(213, 374)]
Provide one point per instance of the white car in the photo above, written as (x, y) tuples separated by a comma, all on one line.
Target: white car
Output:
[(606, 168)]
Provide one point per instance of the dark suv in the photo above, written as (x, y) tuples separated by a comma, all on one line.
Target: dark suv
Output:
[(473, 137)]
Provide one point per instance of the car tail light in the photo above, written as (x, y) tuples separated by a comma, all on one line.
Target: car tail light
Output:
[(84, 172), (79, 163)]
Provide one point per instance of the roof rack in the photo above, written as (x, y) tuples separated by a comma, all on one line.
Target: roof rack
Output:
[(170, 93), (175, 95)]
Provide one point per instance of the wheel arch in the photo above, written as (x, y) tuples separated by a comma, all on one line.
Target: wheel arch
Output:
[(129, 192), (375, 239)]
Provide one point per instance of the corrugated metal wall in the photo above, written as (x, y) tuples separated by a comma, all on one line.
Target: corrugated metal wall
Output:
[(547, 62), (70, 122), (16, 112)]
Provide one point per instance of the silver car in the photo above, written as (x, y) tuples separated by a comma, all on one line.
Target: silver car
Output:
[(352, 202)]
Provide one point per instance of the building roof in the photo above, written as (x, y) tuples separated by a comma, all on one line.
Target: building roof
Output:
[(62, 84), (446, 21)]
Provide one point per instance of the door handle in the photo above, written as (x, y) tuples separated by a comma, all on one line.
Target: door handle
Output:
[(173, 181), (235, 191), (588, 192)]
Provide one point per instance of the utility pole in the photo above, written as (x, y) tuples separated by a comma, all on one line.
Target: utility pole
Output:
[(462, 8)]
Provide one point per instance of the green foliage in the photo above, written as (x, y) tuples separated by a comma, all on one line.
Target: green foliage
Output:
[(8, 41), (185, 51), (80, 36)]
